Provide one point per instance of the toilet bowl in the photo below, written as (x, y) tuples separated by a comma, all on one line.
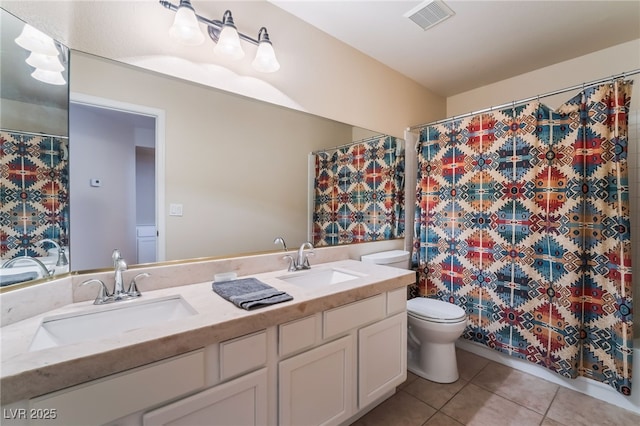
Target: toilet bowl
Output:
[(433, 328)]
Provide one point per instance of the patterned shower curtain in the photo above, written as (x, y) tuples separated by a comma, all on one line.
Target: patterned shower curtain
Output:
[(34, 175), (522, 219), (359, 193)]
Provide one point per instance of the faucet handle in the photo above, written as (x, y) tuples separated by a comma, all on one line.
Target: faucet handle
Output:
[(133, 287), (292, 262), (62, 257), (305, 261), (103, 294)]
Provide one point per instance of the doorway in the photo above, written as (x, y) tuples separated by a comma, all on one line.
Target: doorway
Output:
[(115, 171)]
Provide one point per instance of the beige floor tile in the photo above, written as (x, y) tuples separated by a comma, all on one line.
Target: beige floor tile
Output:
[(432, 393), (401, 409), (440, 419), (521, 388), (550, 422), (410, 378), (478, 407), (469, 364), (574, 408)]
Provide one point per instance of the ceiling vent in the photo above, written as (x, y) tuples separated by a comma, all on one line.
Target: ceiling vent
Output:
[(429, 13)]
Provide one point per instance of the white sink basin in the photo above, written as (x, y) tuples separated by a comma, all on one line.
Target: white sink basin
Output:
[(320, 277), (109, 320)]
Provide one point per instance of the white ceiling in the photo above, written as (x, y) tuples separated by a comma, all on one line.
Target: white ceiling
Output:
[(484, 42)]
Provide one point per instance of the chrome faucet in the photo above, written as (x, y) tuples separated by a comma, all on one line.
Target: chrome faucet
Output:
[(11, 262), (62, 256), (280, 240), (118, 286), (302, 262)]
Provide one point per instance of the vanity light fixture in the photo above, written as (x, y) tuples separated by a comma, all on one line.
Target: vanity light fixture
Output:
[(44, 56), (224, 33)]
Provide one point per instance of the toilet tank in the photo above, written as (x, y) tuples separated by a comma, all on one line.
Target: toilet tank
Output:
[(394, 258)]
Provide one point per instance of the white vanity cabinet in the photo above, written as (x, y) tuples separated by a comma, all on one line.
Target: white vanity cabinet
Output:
[(104, 400), (327, 368), (382, 358), (352, 356), (237, 368), (316, 387)]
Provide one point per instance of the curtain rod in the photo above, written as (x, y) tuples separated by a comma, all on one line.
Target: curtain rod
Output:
[(532, 98), (370, 138), (22, 132)]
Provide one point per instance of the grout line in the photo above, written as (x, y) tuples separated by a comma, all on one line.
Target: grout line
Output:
[(550, 404)]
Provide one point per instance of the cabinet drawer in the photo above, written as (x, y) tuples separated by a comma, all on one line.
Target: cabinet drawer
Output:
[(244, 354), (297, 335), (353, 315), (396, 301), (242, 401), (103, 400)]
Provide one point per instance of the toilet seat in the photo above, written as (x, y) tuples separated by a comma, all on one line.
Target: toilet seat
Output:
[(434, 310)]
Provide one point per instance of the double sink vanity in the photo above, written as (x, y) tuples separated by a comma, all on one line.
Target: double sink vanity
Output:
[(181, 354)]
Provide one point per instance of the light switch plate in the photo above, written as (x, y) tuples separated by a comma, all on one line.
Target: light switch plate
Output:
[(175, 209)]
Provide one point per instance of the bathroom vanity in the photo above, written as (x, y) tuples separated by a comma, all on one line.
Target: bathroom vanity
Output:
[(326, 357)]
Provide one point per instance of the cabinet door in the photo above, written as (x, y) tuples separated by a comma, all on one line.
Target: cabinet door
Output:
[(316, 387), (241, 402), (103, 400), (382, 358)]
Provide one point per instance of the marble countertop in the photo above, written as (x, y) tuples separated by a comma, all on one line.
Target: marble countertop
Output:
[(27, 374)]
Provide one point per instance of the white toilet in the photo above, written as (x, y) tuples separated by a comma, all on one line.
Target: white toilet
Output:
[(433, 328)]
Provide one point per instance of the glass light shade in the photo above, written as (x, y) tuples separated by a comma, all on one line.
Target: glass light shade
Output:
[(185, 28), (36, 41), (49, 77), (265, 60), (228, 45), (44, 62)]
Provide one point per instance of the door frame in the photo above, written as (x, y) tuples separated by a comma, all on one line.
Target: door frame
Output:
[(160, 116)]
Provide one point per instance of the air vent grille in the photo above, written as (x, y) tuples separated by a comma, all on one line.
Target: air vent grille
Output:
[(429, 13)]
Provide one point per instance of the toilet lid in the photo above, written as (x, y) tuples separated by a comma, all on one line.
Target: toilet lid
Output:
[(434, 310)]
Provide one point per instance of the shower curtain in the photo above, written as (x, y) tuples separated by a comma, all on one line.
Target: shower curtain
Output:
[(522, 219), (34, 175), (359, 192)]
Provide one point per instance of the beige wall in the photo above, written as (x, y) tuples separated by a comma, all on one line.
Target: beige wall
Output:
[(616, 60)]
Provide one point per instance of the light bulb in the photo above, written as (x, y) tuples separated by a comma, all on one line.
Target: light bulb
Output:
[(228, 45), (36, 41), (49, 77), (185, 28), (265, 60), (44, 62)]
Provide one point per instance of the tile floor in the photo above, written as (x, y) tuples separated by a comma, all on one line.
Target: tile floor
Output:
[(491, 394)]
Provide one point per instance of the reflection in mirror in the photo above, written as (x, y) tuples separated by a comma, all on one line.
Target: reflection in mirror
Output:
[(359, 192), (34, 96), (238, 166)]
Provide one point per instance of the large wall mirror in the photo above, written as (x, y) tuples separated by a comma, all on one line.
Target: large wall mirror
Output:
[(212, 173), (34, 99)]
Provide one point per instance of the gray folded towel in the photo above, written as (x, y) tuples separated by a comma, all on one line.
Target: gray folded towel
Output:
[(249, 293), (17, 278)]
